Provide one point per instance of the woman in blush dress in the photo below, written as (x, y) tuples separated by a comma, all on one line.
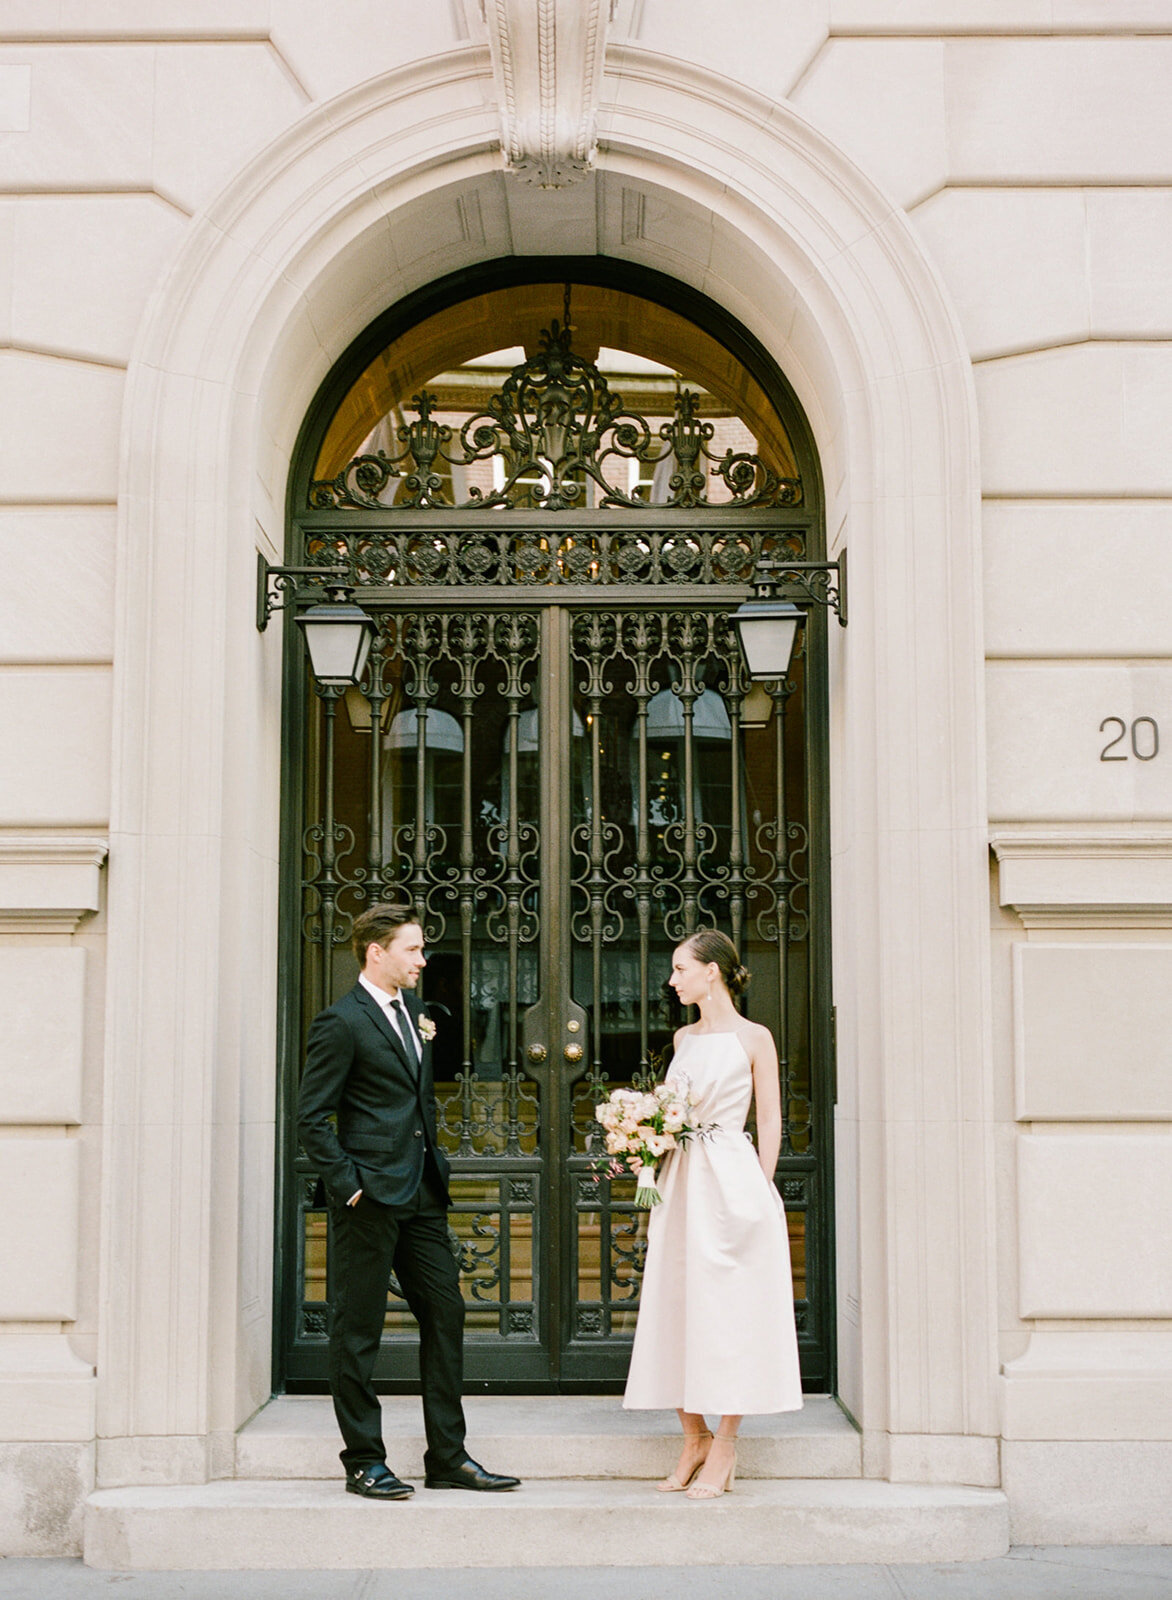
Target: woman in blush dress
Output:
[(715, 1334)]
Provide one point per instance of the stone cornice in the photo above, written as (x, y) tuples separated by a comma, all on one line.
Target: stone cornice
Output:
[(547, 58), (1086, 875), (49, 882), (1009, 839)]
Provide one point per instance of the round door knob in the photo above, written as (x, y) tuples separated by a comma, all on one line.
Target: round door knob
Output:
[(573, 1052), (537, 1052)]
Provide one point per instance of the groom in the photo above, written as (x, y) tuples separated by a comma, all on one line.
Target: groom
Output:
[(368, 1064)]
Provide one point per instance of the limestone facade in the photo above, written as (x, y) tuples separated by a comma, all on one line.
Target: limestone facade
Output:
[(951, 225)]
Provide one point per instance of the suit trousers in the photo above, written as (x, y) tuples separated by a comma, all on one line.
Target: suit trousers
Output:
[(369, 1242)]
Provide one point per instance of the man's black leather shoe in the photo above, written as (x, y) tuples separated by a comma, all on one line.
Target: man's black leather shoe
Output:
[(378, 1482), (470, 1475)]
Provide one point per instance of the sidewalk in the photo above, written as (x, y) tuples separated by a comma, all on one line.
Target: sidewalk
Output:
[(1121, 1572)]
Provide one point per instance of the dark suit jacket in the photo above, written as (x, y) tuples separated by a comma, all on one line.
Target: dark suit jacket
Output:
[(358, 1070)]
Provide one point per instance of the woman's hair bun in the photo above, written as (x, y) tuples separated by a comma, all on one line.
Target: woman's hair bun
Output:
[(709, 944)]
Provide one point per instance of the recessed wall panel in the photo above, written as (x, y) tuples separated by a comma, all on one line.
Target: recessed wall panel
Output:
[(1093, 1219), (38, 1244), (1093, 1032), (41, 1015)]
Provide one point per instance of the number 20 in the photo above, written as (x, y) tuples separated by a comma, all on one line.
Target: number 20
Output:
[(1152, 740)]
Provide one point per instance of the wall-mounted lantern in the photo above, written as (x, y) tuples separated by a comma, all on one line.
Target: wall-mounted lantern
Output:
[(338, 633), (768, 624)]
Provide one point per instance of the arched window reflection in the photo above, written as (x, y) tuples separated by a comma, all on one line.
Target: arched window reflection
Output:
[(665, 747), (443, 753), (528, 756)]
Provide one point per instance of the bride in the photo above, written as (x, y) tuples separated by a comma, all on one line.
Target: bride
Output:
[(715, 1334)]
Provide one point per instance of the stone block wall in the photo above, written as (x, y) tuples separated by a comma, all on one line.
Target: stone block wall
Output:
[(1032, 152)]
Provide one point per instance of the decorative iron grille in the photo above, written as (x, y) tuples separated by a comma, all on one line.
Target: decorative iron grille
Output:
[(433, 785), (511, 558), (563, 440)]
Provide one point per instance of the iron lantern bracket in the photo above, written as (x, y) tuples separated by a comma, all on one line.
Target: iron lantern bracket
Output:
[(805, 583), (275, 584)]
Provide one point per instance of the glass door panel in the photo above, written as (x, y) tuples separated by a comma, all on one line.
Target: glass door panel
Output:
[(562, 793), (674, 799)]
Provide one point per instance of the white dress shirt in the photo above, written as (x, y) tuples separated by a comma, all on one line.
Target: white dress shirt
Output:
[(397, 1019), (394, 1008)]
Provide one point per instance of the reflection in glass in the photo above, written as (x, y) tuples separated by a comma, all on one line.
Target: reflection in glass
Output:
[(443, 797)]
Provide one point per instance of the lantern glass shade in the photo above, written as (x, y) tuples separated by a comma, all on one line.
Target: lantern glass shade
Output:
[(768, 630), (338, 637)]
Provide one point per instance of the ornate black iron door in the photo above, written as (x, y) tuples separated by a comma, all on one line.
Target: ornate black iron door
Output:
[(555, 758), (563, 792), (688, 808)]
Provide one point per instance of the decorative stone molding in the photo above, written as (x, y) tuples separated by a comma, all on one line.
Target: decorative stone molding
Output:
[(811, 243), (547, 65), (1086, 875), (48, 883)]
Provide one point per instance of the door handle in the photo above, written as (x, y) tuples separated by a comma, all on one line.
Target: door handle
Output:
[(573, 1052)]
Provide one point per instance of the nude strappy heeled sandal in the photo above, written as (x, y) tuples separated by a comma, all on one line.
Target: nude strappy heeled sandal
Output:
[(713, 1491), (672, 1484)]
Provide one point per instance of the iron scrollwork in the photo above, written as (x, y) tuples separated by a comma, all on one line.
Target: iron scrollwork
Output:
[(563, 440), (653, 854), (664, 825), (664, 840), (519, 557)]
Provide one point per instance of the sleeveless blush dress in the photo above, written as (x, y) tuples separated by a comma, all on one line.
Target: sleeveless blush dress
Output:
[(715, 1332)]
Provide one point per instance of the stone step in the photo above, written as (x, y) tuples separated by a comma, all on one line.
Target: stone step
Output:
[(548, 1436), (238, 1524)]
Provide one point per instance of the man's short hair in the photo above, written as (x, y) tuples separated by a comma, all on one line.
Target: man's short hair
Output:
[(378, 925)]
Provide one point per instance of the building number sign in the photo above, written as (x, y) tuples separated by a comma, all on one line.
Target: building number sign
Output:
[(1145, 739)]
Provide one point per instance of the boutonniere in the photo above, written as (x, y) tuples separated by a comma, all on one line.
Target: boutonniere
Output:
[(426, 1029)]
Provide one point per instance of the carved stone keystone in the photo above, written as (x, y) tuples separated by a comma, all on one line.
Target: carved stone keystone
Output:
[(547, 61)]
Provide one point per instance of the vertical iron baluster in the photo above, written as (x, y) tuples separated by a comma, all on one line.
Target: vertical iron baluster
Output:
[(606, 1221), (514, 883), (640, 640), (504, 1256), (734, 695), (393, 636), (328, 882), (468, 692), (376, 699), (782, 886), (688, 693), (597, 876), (423, 691), (596, 641)]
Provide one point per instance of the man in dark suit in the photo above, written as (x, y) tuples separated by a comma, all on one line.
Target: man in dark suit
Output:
[(368, 1064)]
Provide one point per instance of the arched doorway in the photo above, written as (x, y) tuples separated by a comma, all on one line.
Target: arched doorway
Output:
[(554, 479), (271, 284)]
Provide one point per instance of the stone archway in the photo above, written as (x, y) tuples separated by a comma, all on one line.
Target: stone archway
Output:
[(391, 185)]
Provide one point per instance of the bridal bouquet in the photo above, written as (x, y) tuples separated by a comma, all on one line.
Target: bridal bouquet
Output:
[(641, 1127)]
